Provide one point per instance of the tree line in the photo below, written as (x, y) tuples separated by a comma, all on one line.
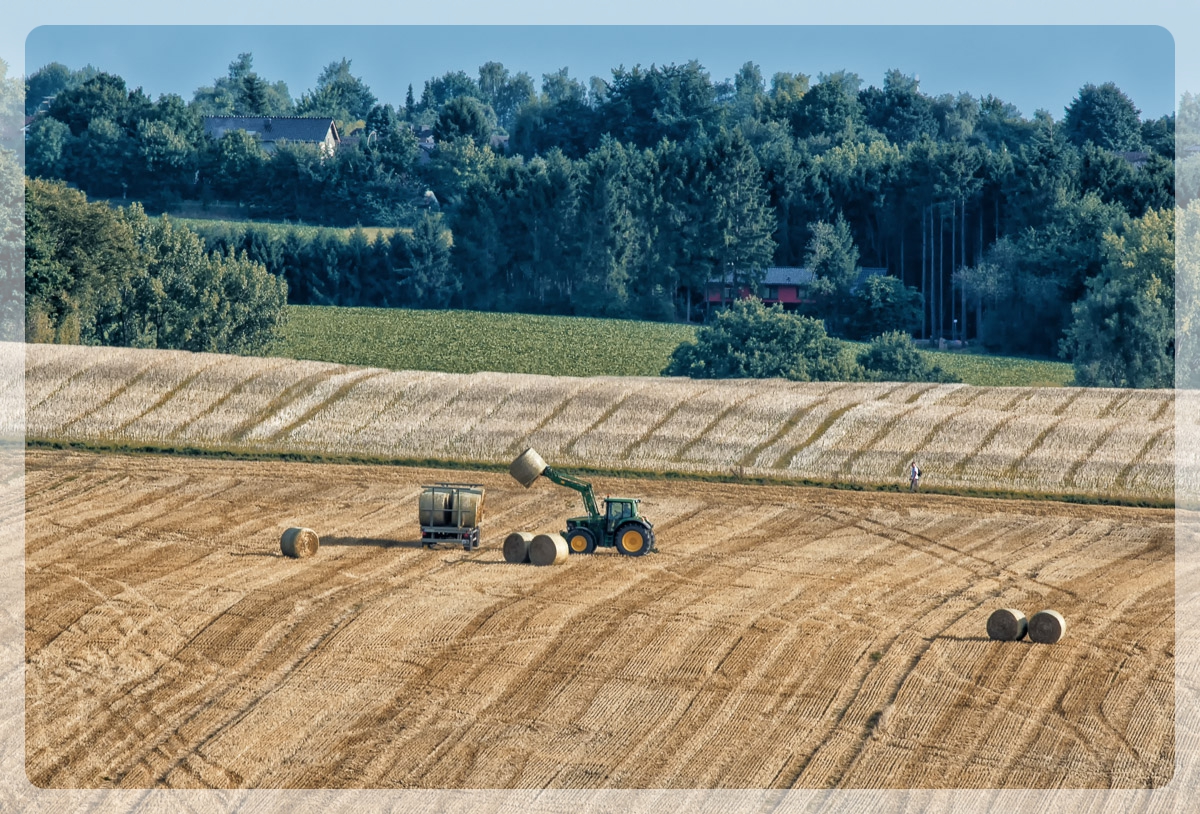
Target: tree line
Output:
[(1122, 334), (406, 268), (95, 275), (627, 196)]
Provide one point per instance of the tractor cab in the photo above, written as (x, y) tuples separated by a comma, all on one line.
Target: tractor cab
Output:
[(618, 510)]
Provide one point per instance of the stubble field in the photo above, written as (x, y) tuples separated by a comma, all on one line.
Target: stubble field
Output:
[(781, 638), (1091, 442)]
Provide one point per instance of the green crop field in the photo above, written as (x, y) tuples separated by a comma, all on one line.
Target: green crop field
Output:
[(978, 368), (1004, 371), (472, 341)]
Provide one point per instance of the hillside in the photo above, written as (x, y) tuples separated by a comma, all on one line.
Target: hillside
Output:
[(1097, 443)]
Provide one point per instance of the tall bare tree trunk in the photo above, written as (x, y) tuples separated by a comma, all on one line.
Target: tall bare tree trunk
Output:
[(978, 262), (932, 278), (941, 310), (953, 260), (924, 289), (963, 264)]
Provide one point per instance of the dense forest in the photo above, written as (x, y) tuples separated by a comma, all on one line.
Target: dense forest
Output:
[(625, 196)]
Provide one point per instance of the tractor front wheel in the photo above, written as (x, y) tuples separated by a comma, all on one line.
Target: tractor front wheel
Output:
[(634, 539), (580, 541)]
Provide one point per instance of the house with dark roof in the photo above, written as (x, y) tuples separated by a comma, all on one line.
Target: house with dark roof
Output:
[(1136, 158), (273, 129), (781, 284), (425, 143)]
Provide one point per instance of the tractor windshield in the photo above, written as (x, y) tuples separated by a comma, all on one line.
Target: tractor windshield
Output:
[(618, 511)]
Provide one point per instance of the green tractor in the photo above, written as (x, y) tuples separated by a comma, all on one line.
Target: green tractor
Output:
[(619, 525)]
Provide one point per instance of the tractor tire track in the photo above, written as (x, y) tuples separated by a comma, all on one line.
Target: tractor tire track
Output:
[(778, 637)]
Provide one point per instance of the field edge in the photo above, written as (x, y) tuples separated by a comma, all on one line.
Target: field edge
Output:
[(267, 454)]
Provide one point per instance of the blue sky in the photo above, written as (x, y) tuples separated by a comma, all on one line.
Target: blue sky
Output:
[(1031, 66)]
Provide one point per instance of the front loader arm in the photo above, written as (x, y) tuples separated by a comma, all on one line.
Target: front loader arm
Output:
[(581, 486)]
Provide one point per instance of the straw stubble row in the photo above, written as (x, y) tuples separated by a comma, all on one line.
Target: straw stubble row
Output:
[(1058, 440)]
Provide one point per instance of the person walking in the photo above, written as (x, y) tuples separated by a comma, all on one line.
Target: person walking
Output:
[(914, 476)]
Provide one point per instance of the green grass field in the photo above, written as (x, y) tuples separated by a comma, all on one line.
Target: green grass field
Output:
[(977, 367), (1004, 371), (472, 341)]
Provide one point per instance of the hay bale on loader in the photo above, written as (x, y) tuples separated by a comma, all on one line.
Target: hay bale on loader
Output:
[(1007, 625), (516, 547), (1047, 627), (299, 542), (548, 549), (527, 468)]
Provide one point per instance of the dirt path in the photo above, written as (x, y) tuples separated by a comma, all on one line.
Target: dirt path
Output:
[(780, 637)]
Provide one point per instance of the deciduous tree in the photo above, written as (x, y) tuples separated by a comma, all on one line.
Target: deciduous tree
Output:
[(1123, 333), (892, 357), (749, 340)]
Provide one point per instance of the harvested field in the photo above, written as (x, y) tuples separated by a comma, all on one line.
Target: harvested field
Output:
[(1106, 444), (779, 638)]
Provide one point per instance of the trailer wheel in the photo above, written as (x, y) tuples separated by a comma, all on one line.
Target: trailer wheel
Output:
[(580, 541), (634, 539)]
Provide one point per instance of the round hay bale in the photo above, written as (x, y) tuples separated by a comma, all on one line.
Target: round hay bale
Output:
[(548, 549), (433, 506), (298, 542), (1007, 625), (470, 508), (516, 547), (1047, 627), (527, 468)]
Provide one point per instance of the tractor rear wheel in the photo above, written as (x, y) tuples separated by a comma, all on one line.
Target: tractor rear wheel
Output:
[(634, 539), (581, 541)]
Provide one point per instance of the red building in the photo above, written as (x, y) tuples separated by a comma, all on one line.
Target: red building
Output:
[(785, 285)]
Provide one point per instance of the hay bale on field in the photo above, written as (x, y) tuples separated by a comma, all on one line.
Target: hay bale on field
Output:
[(1047, 627), (527, 468), (299, 542), (548, 549), (516, 547), (1007, 625)]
